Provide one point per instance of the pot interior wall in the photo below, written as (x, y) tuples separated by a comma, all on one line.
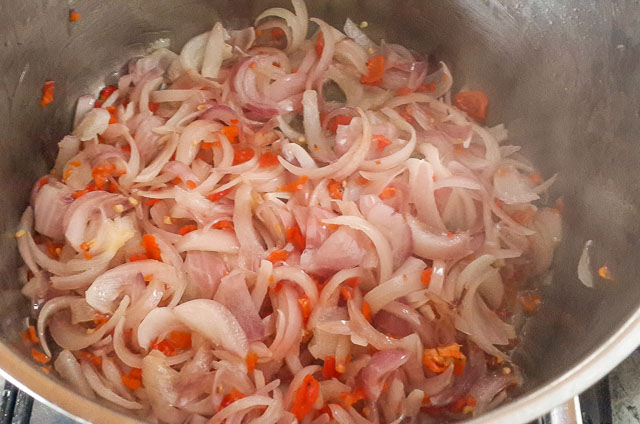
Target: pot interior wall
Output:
[(563, 76)]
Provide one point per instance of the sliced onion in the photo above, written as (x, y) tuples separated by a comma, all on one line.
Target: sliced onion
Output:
[(433, 246), (297, 22), (95, 122), (234, 295), (104, 291), (300, 278), (243, 223), (354, 32), (373, 375), (190, 139), (96, 383), (482, 324), (158, 322), (288, 324), (312, 127), (205, 269), (68, 147), (512, 187), (241, 405), (200, 313), (208, 240), (585, 275), (120, 347), (379, 241), (393, 289), (213, 52), (69, 369), (49, 309), (71, 336), (158, 380), (50, 205), (344, 166)]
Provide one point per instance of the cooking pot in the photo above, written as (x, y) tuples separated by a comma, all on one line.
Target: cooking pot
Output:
[(562, 75)]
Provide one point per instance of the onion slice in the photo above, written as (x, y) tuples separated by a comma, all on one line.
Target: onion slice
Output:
[(199, 314)]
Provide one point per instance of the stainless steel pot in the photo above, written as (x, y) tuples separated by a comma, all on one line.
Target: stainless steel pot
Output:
[(563, 75)]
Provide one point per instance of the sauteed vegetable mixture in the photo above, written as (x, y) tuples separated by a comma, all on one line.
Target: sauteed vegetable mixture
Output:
[(271, 227)]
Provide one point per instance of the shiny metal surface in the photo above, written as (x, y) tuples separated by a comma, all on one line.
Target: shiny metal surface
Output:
[(563, 75)]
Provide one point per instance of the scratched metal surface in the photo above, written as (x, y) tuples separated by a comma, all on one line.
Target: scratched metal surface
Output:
[(625, 391)]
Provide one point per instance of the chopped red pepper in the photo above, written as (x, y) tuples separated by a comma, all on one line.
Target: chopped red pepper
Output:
[(295, 185), (138, 257), (180, 340), (187, 229), (362, 181), (242, 155), (151, 202), (74, 16), (366, 310), (353, 282), (251, 360), (131, 383), (96, 360), (329, 368), (104, 94), (403, 91), (153, 107), (350, 398), (346, 293), (306, 397), (208, 146), (605, 273), (388, 192), (438, 359), (333, 123), (305, 307), (164, 347), (29, 335), (375, 71), (295, 237), (427, 87), (319, 44), (278, 255), (535, 178), (113, 112), (176, 341), (335, 189), (231, 132), (530, 302), (223, 225), (47, 93), (382, 142), (277, 33), (267, 160), (425, 277), (474, 103), (151, 247), (219, 195), (100, 174), (39, 356), (233, 396)]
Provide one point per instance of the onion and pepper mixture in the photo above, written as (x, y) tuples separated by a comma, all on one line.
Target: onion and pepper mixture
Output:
[(271, 228)]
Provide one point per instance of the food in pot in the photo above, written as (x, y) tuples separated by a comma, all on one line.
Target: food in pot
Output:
[(269, 228)]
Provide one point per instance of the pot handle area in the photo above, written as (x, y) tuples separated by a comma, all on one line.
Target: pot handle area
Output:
[(567, 413)]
